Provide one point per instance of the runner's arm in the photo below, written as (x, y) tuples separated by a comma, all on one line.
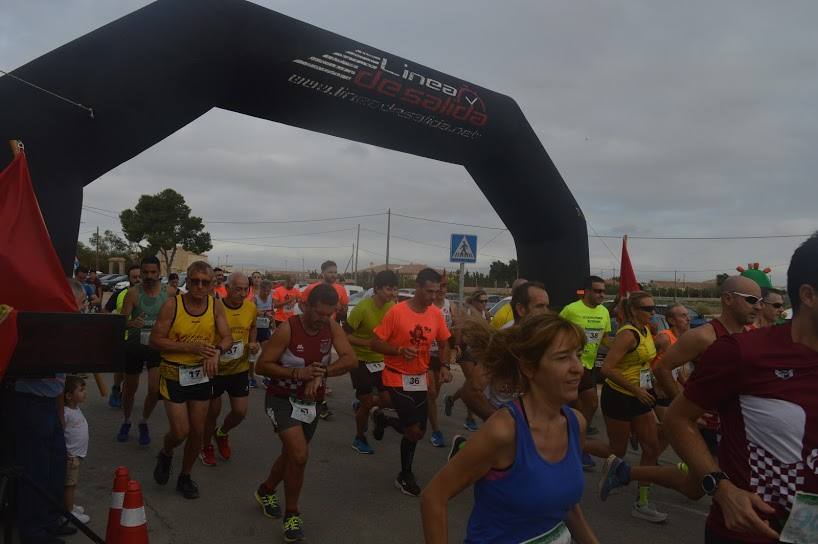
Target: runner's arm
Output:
[(346, 357), (473, 395), (268, 362), (581, 532), (127, 310), (382, 347), (491, 446), (222, 328), (689, 346), (350, 325)]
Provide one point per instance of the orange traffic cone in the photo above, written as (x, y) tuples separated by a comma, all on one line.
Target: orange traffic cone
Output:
[(134, 525), (121, 479)]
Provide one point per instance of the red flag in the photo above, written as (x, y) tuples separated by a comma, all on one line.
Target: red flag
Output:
[(33, 279), (627, 279)]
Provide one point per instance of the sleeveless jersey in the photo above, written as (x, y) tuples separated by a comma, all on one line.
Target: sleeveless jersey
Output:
[(149, 306), (265, 305), (446, 310), (189, 328), (533, 496), (303, 350), (711, 419), (637, 361), (240, 320)]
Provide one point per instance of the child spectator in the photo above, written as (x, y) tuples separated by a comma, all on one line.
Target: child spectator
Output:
[(76, 442)]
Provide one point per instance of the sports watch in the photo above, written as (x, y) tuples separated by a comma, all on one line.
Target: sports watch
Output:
[(711, 482)]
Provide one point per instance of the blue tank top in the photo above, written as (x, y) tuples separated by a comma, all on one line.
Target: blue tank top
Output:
[(533, 496)]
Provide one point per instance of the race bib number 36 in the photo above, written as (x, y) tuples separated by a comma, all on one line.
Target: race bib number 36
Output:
[(414, 382)]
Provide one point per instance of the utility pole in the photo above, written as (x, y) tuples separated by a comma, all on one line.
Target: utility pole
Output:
[(97, 263), (462, 281), (675, 285), (388, 234), (357, 247)]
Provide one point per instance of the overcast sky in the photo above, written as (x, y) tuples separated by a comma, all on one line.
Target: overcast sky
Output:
[(692, 119)]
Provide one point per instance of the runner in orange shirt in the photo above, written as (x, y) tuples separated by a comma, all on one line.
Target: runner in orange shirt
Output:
[(219, 289), (405, 337), (329, 275), (285, 298)]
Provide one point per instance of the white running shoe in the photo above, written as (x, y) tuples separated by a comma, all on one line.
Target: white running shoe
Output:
[(648, 513), (78, 509), (85, 518)]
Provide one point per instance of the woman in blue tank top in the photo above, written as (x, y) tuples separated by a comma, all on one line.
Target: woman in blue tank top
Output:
[(525, 462)]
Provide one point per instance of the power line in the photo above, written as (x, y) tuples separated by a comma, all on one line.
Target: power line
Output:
[(295, 235), (284, 221), (766, 237), (273, 246), (447, 222)]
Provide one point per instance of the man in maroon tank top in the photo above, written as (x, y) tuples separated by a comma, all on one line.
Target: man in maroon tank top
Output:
[(762, 384), (297, 360)]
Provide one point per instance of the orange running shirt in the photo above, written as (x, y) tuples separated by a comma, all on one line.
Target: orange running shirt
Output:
[(343, 298), (281, 294), (220, 291), (402, 327)]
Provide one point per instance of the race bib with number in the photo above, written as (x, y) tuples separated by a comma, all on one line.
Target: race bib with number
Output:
[(592, 336), (558, 535), (645, 378), (802, 525), (262, 322), (234, 352), (303, 411), (144, 337), (193, 375), (414, 382), (375, 367)]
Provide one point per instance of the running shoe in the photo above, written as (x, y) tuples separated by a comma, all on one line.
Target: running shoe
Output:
[(323, 410), (187, 487), (437, 439), (588, 463), (223, 444), (361, 446), (161, 473), (407, 484), (448, 404), (293, 528), (268, 502), (208, 456), (470, 425), (115, 398), (615, 473), (144, 435), (84, 518), (648, 513), (124, 432), (457, 444), (78, 508), (253, 383), (379, 424)]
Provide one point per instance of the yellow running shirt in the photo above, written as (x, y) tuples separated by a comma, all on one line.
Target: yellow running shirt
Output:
[(191, 329), (240, 320), (635, 366)]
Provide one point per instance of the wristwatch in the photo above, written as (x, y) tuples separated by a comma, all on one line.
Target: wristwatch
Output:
[(711, 482)]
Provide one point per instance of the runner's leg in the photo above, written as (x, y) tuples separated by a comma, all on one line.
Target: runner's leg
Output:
[(197, 414), (213, 411), (238, 411), (152, 396), (295, 450)]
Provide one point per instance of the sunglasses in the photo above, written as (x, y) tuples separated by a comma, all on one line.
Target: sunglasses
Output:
[(776, 305), (198, 282), (648, 309), (752, 300)]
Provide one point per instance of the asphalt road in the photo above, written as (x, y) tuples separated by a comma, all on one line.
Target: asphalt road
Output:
[(347, 497)]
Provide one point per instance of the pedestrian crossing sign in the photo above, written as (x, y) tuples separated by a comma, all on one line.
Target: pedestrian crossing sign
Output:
[(463, 248)]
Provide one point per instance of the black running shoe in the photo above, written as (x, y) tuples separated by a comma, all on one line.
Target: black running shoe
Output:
[(407, 484), (269, 502), (294, 528), (187, 487), (378, 424), (457, 444), (162, 471)]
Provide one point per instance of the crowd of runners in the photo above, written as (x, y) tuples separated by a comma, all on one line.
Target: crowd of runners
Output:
[(734, 398)]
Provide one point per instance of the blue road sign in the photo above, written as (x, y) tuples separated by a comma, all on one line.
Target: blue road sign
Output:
[(463, 248)]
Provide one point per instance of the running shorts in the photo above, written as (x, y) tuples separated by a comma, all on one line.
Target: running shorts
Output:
[(171, 390), (586, 382), (138, 355), (262, 335), (411, 406), (236, 385), (365, 382), (620, 406), (279, 410)]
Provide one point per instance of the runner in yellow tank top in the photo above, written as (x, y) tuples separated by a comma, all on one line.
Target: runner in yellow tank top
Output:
[(234, 368), (190, 332)]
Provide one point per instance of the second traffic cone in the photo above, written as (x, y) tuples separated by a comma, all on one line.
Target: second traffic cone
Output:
[(134, 525), (121, 479)]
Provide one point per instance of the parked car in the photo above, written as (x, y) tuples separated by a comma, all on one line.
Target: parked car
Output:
[(505, 301), (494, 299), (109, 283)]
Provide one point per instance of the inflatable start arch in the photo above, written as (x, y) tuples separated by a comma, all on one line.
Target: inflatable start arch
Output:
[(157, 69)]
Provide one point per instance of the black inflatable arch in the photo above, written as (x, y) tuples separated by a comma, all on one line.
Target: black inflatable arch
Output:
[(157, 69)]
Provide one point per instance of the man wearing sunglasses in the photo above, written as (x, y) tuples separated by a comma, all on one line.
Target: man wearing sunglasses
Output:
[(191, 333), (772, 308)]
